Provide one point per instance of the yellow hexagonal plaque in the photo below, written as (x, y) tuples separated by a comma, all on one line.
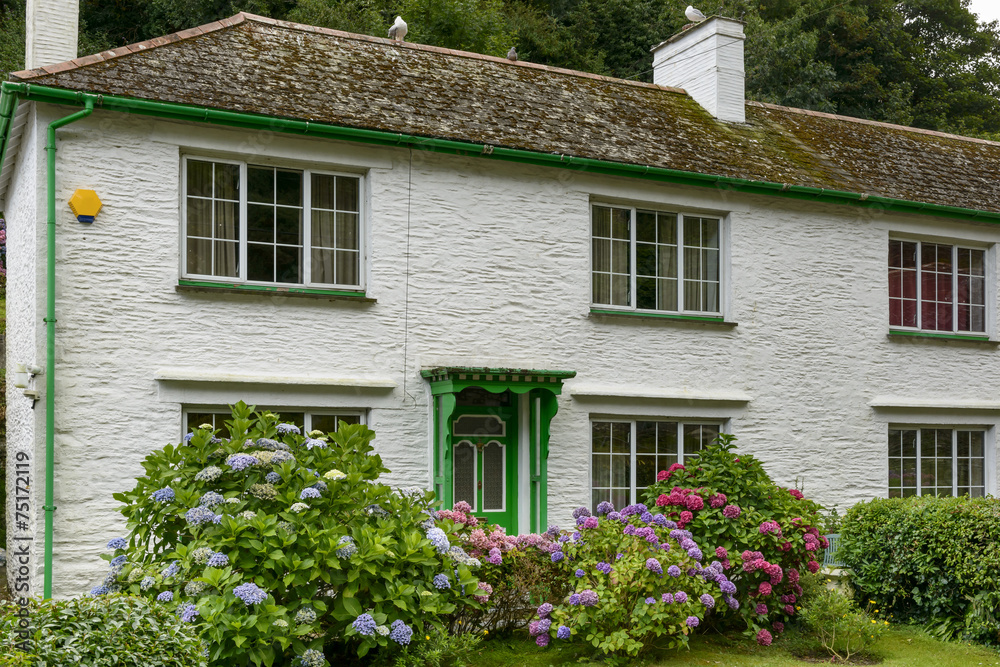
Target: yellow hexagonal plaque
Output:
[(85, 204)]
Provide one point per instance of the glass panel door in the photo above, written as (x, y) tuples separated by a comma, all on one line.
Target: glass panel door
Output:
[(485, 460)]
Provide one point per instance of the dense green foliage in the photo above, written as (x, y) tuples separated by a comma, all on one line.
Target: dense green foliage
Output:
[(929, 560), (768, 534), (108, 631), (843, 628), (274, 545), (926, 63)]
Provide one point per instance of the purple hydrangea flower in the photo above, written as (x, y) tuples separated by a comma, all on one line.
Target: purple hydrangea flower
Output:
[(240, 462), (680, 597), (580, 511), (604, 567), (199, 515), (495, 557), (692, 621), (579, 573), (604, 507), (674, 571), (544, 610), (552, 531), (650, 600), (250, 593), (272, 478), (761, 609), (542, 640), (660, 520), (399, 632), (187, 613), (646, 517), (574, 599), (687, 543), (557, 556), (364, 625), (165, 596), (654, 566), (218, 559), (732, 602), (727, 587), (614, 516), (707, 600), (309, 493), (544, 625), (563, 632), (164, 495), (667, 598), (695, 553), (117, 543), (588, 598), (441, 582)]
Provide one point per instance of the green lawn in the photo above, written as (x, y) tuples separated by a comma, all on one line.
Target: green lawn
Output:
[(901, 647)]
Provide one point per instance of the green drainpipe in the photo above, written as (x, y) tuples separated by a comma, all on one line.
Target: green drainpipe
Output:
[(50, 336)]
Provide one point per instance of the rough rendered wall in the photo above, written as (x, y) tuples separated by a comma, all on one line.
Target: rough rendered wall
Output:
[(498, 276), (26, 345)]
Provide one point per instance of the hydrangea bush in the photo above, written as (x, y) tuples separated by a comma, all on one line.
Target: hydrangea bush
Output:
[(515, 571), (764, 535), (272, 544), (635, 577)]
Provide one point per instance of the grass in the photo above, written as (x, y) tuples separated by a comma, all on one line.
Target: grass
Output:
[(902, 646)]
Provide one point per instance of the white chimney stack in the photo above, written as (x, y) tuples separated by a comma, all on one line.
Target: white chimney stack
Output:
[(707, 61), (50, 32)]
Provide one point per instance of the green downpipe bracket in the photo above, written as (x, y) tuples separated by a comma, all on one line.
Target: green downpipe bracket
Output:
[(187, 112), (50, 334)]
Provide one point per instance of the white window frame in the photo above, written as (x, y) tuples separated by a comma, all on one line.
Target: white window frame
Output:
[(989, 482), (633, 269), (306, 225), (681, 422), (956, 245), (308, 413)]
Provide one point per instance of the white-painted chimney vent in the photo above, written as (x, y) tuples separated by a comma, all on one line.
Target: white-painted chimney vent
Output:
[(706, 60), (50, 32)]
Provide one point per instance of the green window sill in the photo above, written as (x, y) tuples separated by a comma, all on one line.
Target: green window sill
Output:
[(211, 287), (923, 336), (661, 317)]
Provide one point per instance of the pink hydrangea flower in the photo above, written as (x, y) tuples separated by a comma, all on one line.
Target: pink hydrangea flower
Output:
[(813, 566), (662, 500), (717, 501), (731, 511), (590, 522), (790, 610), (761, 609), (770, 527), (793, 576), (779, 627), (686, 517), (764, 638), (694, 503), (796, 494), (462, 506), (764, 588), (721, 553), (663, 476)]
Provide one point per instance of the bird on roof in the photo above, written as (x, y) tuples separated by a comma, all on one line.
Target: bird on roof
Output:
[(398, 29), (512, 55), (694, 15)]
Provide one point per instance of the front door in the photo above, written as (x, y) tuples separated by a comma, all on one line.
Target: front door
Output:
[(484, 473)]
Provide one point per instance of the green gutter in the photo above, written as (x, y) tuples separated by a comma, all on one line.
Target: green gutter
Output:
[(50, 333), (186, 112)]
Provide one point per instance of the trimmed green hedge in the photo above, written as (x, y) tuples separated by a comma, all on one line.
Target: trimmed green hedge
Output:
[(928, 560)]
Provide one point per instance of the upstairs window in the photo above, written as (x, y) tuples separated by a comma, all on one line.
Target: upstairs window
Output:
[(937, 287), (270, 225), (655, 260)]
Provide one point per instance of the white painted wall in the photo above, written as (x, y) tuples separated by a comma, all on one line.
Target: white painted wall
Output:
[(51, 31), (498, 276)]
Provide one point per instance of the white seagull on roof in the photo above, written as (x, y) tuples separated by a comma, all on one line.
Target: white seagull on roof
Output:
[(398, 29), (694, 15), (512, 54)]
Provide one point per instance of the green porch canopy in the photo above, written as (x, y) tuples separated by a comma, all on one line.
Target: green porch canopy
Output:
[(535, 416)]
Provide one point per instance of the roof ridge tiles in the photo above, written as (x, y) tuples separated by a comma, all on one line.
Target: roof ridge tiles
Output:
[(876, 123)]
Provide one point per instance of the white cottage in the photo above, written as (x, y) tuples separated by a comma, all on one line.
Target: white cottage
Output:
[(538, 286)]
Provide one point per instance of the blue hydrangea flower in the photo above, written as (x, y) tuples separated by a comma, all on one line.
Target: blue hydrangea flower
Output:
[(218, 559), (400, 632), (165, 596), (305, 616), (146, 583), (646, 517), (557, 556), (171, 570), (164, 495), (285, 429), (312, 658), (563, 632), (574, 599), (441, 581), (250, 593), (439, 539), (117, 562), (320, 486), (313, 442), (650, 600), (280, 457), (97, 591), (272, 478), (187, 438), (199, 515), (364, 625), (117, 543), (209, 474), (347, 547), (187, 613), (240, 462), (309, 493), (211, 499), (580, 573)]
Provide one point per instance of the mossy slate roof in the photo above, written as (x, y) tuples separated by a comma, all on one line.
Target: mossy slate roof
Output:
[(258, 65)]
